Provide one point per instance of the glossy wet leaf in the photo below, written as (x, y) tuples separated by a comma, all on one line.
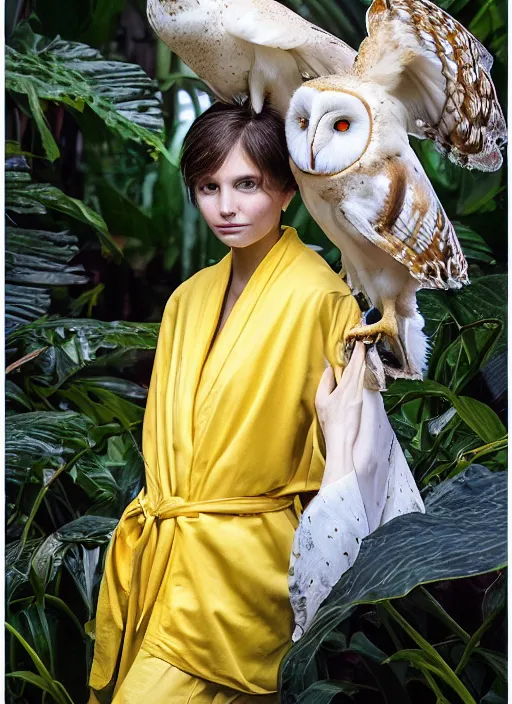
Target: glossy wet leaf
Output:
[(24, 304), (113, 479), (324, 692), (41, 257), (40, 442), (463, 533), (26, 197), (478, 416), (76, 343), (77, 75)]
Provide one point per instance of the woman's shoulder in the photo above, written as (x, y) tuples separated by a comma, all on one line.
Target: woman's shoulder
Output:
[(310, 273), (199, 281)]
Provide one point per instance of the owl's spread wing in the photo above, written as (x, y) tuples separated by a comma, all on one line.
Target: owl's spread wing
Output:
[(442, 75), (410, 225), (287, 49), (265, 23), (256, 48)]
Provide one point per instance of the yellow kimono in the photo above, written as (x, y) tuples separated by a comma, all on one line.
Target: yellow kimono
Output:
[(196, 573)]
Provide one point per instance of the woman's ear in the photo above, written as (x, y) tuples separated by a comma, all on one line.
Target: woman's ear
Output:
[(287, 200)]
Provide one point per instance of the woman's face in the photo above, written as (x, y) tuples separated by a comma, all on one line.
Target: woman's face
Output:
[(235, 205)]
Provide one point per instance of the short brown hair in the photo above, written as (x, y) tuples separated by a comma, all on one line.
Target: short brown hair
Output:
[(214, 134)]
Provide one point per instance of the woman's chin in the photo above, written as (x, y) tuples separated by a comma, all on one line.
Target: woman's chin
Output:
[(242, 237)]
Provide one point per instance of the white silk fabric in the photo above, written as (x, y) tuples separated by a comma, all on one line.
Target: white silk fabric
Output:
[(366, 485)]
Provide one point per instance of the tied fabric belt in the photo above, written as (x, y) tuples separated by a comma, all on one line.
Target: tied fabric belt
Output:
[(176, 507), (125, 624), (237, 505)]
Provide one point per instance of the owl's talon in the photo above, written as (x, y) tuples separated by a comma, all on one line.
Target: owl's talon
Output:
[(374, 332)]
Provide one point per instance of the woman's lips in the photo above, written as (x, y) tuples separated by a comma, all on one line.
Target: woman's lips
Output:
[(231, 227)]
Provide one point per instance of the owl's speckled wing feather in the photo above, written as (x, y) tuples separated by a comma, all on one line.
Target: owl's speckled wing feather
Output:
[(410, 225), (270, 24), (256, 48), (441, 73)]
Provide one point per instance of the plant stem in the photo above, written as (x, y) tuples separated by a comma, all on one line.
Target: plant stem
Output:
[(44, 491), (445, 616), (474, 641), (444, 669)]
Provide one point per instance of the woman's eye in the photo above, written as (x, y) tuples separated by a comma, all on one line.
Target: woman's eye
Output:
[(248, 185), (209, 188)]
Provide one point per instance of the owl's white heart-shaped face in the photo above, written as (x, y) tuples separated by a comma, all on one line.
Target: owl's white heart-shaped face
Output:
[(327, 131)]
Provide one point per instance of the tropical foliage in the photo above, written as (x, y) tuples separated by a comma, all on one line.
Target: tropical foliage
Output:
[(98, 234)]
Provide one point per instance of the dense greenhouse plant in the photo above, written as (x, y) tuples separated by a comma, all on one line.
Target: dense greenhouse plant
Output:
[(99, 232)]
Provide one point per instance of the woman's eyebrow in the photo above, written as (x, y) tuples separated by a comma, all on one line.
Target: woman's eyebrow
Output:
[(247, 177)]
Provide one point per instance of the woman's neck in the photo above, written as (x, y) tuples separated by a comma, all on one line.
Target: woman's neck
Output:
[(245, 260)]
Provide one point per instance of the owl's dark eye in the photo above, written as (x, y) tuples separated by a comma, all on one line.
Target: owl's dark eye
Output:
[(341, 125), (303, 123)]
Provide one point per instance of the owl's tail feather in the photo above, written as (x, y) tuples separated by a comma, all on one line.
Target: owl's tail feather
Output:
[(403, 355), (414, 343)]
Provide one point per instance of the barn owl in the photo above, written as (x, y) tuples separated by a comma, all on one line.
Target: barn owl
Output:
[(418, 72), (248, 48), (348, 119)]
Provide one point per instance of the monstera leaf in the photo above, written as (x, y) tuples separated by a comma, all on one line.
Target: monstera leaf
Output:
[(26, 197), (463, 533), (58, 349), (24, 304), (485, 298), (76, 75), (37, 257), (38, 443)]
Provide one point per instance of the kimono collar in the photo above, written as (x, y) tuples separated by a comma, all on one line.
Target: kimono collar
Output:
[(216, 357)]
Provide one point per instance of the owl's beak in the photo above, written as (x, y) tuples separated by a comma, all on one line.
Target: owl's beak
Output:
[(312, 153), (314, 147), (316, 144)]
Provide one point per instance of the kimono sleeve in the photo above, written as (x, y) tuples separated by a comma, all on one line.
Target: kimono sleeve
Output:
[(344, 315), (157, 384), (340, 313)]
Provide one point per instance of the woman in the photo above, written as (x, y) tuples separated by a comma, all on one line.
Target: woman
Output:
[(194, 603)]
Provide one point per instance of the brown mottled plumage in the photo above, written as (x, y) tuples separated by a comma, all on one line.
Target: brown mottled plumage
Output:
[(467, 122), (418, 72), (248, 48)]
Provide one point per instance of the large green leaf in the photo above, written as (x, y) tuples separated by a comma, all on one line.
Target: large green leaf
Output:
[(484, 298), (37, 257), (15, 396), (40, 442), (23, 304), (40, 257), (97, 401), (76, 75), (87, 531), (473, 245), (478, 191), (24, 196), (324, 692), (17, 565), (479, 417), (92, 23), (463, 533), (45, 680), (76, 343), (113, 479)]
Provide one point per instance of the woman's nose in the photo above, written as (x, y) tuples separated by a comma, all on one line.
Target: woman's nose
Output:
[(227, 205)]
